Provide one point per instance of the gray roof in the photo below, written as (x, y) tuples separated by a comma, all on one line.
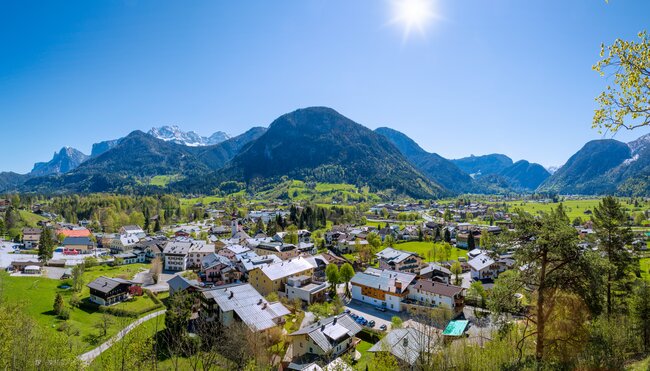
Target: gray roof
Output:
[(406, 344), (481, 262), (383, 280), (177, 247), (287, 268), (330, 331), (255, 311), (434, 267), (105, 284), (213, 259), (392, 255), (77, 241)]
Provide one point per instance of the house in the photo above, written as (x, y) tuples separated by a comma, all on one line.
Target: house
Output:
[(4, 204), (31, 236), (273, 277), (78, 243), (405, 344), (73, 232), (348, 246), (382, 288), (429, 293), (485, 267), (284, 251), (231, 251), (132, 257), (123, 242), (326, 339), (303, 288), (462, 238), (21, 266), (175, 255), (249, 261), (398, 260), (108, 291), (197, 252), (218, 268), (133, 230), (241, 303), (179, 283), (435, 272)]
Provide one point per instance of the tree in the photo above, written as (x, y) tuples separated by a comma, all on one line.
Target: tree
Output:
[(332, 274), (156, 269), (77, 277), (447, 236), (389, 240), (626, 105), (103, 324), (178, 314), (45, 245), (58, 304), (292, 235), (156, 226), (345, 275), (640, 311), (457, 270), (471, 244), (396, 322), (551, 265), (609, 220), (477, 292)]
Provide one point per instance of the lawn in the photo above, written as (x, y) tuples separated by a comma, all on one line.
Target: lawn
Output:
[(163, 180), (645, 267), (37, 295), (426, 250), (138, 303), (574, 208), (30, 219), (363, 362)]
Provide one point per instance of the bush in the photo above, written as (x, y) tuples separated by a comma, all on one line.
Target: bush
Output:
[(135, 290), (75, 301), (64, 314)]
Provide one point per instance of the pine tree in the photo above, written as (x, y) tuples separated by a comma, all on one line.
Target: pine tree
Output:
[(471, 244), (156, 227), (45, 245), (58, 304)]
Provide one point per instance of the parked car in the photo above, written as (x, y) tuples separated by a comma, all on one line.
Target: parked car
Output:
[(354, 316), (381, 309), (346, 311), (371, 324), (383, 327)]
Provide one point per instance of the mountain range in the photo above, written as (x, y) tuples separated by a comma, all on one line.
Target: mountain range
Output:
[(319, 144)]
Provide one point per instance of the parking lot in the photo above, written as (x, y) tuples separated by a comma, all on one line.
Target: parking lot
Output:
[(371, 313)]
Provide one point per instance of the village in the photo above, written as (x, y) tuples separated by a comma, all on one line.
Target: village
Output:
[(406, 278)]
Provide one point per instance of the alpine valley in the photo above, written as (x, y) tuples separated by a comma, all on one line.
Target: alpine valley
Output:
[(318, 144)]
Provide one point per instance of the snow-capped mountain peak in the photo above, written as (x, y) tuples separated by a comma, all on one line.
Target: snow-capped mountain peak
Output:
[(639, 144), (172, 133)]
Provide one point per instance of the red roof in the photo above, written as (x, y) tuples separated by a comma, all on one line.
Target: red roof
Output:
[(74, 232)]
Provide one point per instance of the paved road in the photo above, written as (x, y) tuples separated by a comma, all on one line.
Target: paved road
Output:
[(370, 313), (88, 357)]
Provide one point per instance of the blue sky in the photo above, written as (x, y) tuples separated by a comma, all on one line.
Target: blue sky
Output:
[(505, 76)]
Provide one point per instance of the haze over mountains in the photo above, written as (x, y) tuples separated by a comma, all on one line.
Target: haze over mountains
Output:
[(319, 144)]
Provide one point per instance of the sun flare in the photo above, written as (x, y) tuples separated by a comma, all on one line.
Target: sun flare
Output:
[(413, 15)]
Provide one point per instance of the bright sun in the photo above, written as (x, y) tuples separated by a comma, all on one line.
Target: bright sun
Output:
[(413, 15)]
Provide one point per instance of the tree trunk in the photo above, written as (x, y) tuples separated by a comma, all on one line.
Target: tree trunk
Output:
[(541, 320)]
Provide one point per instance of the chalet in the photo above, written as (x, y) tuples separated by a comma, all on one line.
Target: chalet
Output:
[(78, 243), (179, 283), (231, 251), (31, 236), (429, 293), (273, 277), (326, 339), (382, 288), (405, 344), (241, 303), (250, 261), (283, 251), (218, 268), (398, 260), (108, 291), (133, 230), (435, 272), (132, 257), (485, 267)]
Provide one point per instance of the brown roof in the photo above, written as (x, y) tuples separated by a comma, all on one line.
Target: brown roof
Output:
[(439, 288)]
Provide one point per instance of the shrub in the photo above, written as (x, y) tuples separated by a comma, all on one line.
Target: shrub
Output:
[(135, 290), (64, 314)]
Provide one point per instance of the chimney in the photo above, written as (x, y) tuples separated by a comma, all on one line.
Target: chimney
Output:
[(231, 295), (259, 302), (334, 322), (406, 342), (322, 328)]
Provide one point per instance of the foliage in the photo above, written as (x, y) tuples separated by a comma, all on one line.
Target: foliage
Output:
[(627, 103)]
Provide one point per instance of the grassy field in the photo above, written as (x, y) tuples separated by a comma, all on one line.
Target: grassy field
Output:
[(574, 208), (163, 180), (426, 250), (30, 219), (37, 294)]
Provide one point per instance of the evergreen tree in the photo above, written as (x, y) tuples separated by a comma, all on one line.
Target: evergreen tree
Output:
[(609, 220), (58, 304), (156, 227), (447, 236), (45, 245), (471, 244), (146, 219)]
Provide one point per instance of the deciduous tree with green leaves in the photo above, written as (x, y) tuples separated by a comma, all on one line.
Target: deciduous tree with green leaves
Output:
[(625, 103), (345, 275)]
